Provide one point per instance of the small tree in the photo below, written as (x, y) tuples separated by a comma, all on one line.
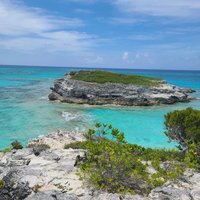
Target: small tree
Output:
[(183, 126), (16, 145), (110, 164)]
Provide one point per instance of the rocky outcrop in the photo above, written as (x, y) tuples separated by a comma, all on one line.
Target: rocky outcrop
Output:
[(81, 92), (51, 175), (14, 189)]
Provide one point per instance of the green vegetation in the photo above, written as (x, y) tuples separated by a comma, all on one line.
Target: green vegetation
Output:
[(183, 126), (16, 145), (38, 148), (41, 146), (6, 150), (99, 76), (74, 145), (60, 187), (2, 184), (115, 166), (37, 188)]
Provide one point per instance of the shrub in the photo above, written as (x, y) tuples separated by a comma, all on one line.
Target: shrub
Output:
[(16, 145), (6, 150), (2, 184), (36, 188), (38, 148), (110, 163), (162, 155), (183, 126), (74, 145), (115, 166)]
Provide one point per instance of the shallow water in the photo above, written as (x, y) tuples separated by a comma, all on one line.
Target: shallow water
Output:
[(25, 111)]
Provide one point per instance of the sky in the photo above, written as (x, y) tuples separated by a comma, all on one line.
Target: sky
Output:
[(138, 34)]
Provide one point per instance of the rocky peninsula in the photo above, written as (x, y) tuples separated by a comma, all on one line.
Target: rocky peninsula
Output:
[(35, 173), (101, 88)]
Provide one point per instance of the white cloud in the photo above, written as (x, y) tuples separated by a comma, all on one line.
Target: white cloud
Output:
[(83, 11), (171, 8), (123, 20), (147, 37), (50, 41), (18, 19), (141, 55), (94, 59), (125, 56), (135, 56), (29, 29)]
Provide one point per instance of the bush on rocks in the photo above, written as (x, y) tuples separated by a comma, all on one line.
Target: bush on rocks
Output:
[(39, 148), (183, 126), (16, 145), (6, 150), (117, 167), (2, 184), (74, 145)]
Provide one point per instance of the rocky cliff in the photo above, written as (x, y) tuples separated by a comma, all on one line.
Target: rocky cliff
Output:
[(49, 174), (82, 92)]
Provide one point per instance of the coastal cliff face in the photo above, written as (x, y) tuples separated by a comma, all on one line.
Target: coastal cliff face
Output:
[(82, 92)]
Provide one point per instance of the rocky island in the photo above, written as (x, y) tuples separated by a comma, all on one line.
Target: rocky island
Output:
[(101, 87)]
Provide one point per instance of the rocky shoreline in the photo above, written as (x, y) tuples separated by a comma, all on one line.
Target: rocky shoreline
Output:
[(38, 174), (81, 92)]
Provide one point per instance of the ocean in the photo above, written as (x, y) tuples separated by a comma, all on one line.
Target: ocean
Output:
[(26, 113)]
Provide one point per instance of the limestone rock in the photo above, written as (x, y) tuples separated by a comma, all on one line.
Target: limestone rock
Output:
[(52, 195)]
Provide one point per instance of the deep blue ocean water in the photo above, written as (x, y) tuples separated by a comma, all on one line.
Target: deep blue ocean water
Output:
[(25, 111)]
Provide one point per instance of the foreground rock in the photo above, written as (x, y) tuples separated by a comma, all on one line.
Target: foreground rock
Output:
[(81, 92), (51, 175)]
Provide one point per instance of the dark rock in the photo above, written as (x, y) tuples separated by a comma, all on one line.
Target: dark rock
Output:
[(52, 195), (170, 193), (80, 159), (38, 149), (50, 156), (14, 189)]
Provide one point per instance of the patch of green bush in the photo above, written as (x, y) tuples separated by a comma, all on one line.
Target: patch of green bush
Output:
[(37, 188), (183, 126), (75, 145), (16, 145), (38, 148), (6, 150), (162, 155), (115, 166), (100, 76), (2, 184)]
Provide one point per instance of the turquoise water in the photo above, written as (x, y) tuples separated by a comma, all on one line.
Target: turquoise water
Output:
[(25, 111)]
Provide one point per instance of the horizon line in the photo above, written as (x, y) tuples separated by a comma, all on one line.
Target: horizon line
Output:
[(52, 66)]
